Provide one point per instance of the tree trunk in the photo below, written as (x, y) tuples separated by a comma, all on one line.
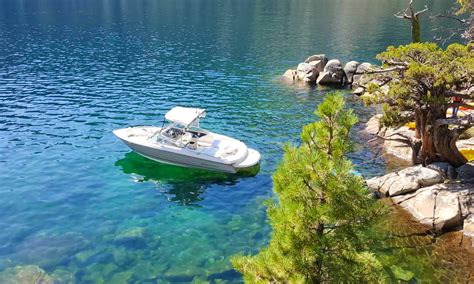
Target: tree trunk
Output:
[(428, 150), (415, 29), (445, 144)]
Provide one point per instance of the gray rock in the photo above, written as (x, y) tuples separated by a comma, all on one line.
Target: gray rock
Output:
[(327, 78), (444, 168), (290, 75), (332, 74), (433, 206), (372, 126), (447, 211), (364, 67), (26, 274), (358, 91), (317, 57), (466, 172), (405, 181), (349, 69), (398, 186), (441, 206), (307, 72), (319, 61), (423, 175), (373, 183), (333, 66), (468, 226), (396, 148), (318, 64)]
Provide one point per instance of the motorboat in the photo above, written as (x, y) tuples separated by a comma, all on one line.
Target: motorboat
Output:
[(180, 141)]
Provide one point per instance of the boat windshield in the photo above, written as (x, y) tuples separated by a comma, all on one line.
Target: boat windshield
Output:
[(180, 136)]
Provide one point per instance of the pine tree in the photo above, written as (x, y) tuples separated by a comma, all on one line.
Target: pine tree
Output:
[(421, 90), (325, 219)]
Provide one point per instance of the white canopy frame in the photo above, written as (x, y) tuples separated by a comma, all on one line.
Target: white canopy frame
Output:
[(185, 116)]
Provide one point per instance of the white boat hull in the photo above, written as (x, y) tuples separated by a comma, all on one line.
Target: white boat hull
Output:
[(179, 160), (185, 157)]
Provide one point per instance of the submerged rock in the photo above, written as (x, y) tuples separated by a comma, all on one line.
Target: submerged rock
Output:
[(62, 276), (131, 238), (49, 250), (26, 274), (290, 75)]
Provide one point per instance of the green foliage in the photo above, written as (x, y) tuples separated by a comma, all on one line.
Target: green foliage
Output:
[(325, 221), (465, 6), (429, 75)]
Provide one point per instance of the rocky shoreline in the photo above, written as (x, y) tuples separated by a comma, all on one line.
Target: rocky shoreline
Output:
[(438, 195), (318, 69)]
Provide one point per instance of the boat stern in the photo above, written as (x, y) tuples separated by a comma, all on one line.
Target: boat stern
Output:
[(252, 159)]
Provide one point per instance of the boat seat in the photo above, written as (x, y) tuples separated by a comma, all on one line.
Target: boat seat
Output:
[(206, 139), (186, 138)]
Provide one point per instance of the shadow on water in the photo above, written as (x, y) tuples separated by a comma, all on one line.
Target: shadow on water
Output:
[(185, 185)]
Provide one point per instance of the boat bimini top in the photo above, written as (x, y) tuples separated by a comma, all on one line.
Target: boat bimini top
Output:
[(185, 116)]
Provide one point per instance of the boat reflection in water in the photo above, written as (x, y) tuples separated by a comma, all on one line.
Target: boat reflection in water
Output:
[(185, 184)]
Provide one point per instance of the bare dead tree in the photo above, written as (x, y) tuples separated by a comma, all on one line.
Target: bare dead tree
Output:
[(414, 18), (464, 21)]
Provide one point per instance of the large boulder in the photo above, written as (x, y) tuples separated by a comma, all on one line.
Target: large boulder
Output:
[(328, 78), (349, 69), (396, 148), (318, 61), (333, 73), (362, 68), (444, 168), (315, 57), (25, 274), (333, 66), (372, 126), (466, 172), (441, 206), (447, 213), (307, 72), (405, 181), (434, 206)]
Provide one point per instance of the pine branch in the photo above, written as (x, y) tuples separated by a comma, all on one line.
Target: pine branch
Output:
[(421, 12), (451, 17)]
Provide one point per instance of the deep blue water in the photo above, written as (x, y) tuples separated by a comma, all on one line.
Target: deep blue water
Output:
[(80, 204)]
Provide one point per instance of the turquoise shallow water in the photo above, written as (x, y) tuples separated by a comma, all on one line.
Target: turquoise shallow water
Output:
[(78, 203)]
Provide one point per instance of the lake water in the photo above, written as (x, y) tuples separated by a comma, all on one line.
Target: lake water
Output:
[(81, 205)]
